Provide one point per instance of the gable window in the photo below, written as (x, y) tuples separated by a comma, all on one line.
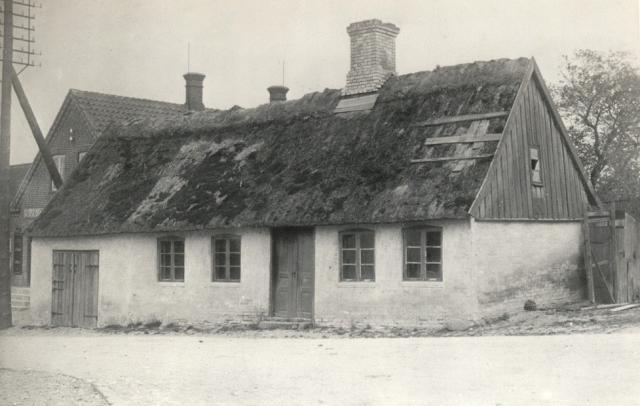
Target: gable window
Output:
[(58, 160), (81, 156), (422, 254), (171, 259), (226, 258), (357, 255), (17, 252), (534, 156)]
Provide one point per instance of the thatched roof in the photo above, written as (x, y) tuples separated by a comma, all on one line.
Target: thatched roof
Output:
[(291, 163)]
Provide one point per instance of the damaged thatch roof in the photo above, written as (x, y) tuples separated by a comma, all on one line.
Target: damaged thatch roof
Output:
[(292, 163)]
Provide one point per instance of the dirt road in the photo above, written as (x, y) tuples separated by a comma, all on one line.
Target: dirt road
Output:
[(196, 370)]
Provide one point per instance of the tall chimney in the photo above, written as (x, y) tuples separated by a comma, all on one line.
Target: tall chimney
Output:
[(373, 56), (277, 93), (194, 91)]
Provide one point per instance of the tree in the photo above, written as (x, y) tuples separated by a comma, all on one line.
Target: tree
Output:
[(598, 97)]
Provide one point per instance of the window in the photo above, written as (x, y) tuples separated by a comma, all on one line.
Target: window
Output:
[(81, 156), (226, 258), (59, 161), (535, 166), (171, 259), (423, 254), (17, 252), (357, 256)]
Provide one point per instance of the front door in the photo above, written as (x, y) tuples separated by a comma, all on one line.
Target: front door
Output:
[(75, 289), (293, 271)]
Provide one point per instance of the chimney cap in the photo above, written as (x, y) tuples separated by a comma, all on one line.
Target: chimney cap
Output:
[(373, 25), (277, 93), (193, 76)]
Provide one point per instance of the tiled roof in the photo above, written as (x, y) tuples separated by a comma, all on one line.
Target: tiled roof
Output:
[(16, 173), (102, 109)]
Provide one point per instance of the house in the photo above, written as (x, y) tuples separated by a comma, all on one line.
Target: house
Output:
[(81, 119), (412, 199)]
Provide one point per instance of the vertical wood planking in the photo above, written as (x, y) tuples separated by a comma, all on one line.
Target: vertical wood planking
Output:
[(558, 148), (524, 165), (571, 196), (507, 156), (500, 189), (517, 145), (77, 273), (93, 287), (508, 190), (546, 142), (68, 290), (549, 184)]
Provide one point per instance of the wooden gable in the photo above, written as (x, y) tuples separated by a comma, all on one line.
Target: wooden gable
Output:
[(535, 173)]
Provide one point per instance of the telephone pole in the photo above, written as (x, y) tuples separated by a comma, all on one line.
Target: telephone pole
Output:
[(17, 26), (5, 144)]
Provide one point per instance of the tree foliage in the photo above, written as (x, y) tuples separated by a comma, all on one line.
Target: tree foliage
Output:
[(598, 97)]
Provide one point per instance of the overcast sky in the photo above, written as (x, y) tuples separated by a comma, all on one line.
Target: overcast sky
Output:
[(138, 48)]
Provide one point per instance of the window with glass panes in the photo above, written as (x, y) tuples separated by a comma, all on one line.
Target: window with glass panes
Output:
[(226, 258), (423, 254), (171, 259), (357, 256)]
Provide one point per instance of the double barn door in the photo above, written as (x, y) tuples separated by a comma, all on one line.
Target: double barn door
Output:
[(293, 273), (75, 289)]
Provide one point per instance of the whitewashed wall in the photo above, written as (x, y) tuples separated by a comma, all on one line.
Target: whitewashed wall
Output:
[(516, 261), (390, 300), (129, 289)]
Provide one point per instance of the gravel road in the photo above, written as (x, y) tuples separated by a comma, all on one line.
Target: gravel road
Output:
[(197, 370)]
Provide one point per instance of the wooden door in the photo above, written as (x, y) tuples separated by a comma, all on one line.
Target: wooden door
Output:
[(75, 289), (293, 273), (600, 256)]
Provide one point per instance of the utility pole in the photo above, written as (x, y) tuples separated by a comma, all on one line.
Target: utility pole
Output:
[(5, 145), (25, 53)]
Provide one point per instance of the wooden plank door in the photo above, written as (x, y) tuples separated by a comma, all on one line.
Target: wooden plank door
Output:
[(600, 256), (293, 273), (75, 289), (61, 301), (85, 300)]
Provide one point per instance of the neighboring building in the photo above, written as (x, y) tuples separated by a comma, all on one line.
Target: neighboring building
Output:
[(409, 199), (81, 119), (16, 174)]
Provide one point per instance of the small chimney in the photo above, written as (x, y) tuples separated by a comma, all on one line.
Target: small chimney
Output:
[(277, 93), (194, 91), (373, 56)]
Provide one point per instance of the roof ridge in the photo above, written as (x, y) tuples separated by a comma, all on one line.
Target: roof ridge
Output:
[(75, 92)]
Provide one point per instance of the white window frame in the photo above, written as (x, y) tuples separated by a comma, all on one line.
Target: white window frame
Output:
[(424, 247)]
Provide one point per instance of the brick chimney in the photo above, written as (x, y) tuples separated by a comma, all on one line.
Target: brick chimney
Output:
[(277, 93), (194, 91), (373, 56)]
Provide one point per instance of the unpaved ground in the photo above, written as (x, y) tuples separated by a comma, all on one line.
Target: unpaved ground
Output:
[(565, 356), (568, 319), (26, 388), (580, 369)]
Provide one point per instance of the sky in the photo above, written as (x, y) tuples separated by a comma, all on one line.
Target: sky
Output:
[(138, 48)]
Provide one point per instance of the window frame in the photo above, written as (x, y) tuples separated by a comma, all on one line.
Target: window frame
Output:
[(227, 265), (17, 236), (536, 173), (172, 266), (81, 155), (358, 254), (62, 161), (424, 229)]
